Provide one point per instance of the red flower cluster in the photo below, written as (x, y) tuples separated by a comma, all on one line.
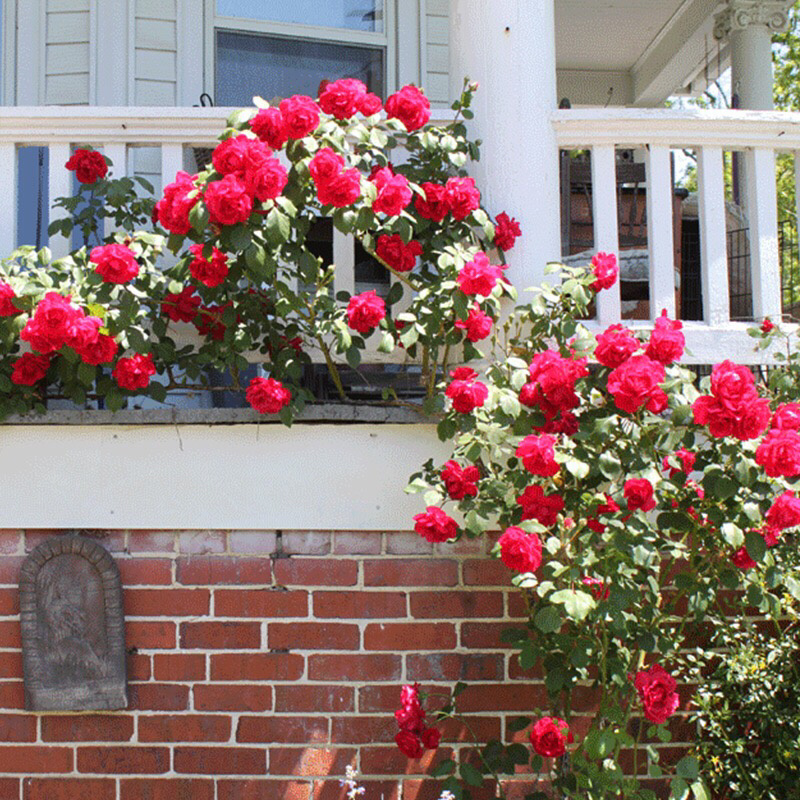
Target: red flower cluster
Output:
[(365, 311), (779, 453), (784, 512), (537, 454), (551, 383), (29, 368), (270, 128), (666, 341), (479, 276), (336, 186), (683, 457), (520, 551), (172, 210), (116, 263), (636, 383), (656, 688), (434, 525), (458, 196), (211, 273), (460, 483), (401, 257), (208, 321), (605, 269), (7, 294), (615, 346), (639, 494), (477, 325), (550, 737), (394, 193), (733, 408), (267, 396), (89, 166), (300, 115), (343, 98), (414, 736), (134, 372), (506, 231), (410, 106), (544, 508), (466, 392), (181, 307)]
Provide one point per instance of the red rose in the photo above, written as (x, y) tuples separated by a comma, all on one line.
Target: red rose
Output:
[(269, 126), (477, 325), (656, 688), (683, 457), (605, 269), (228, 201), (341, 191), (434, 206), (741, 559), (615, 346), (431, 738), (209, 321), (84, 332), (639, 494), (325, 166), (116, 263), (50, 326), (784, 512), (609, 507), (370, 104), (506, 231), (89, 165), (29, 368), (767, 325), (465, 391), (596, 586), (733, 385), (550, 736), (566, 422), (101, 351), (234, 155), (266, 180), (400, 256), (462, 197), (134, 372), (211, 273), (787, 417), (551, 384), (181, 307), (267, 396), (520, 551), (460, 483), (544, 508), (300, 115), (779, 453), (7, 294), (745, 423), (435, 526), (635, 383), (478, 276), (409, 744), (365, 311), (174, 207), (537, 454), (342, 98), (393, 192), (410, 106), (666, 341)]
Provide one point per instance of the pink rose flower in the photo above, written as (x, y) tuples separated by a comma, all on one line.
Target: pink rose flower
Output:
[(341, 191), (537, 454), (51, 324), (478, 276), (394, 193), (267, 396), (101, 351), (683, 457), (269, 126), (639, 494), (370, 104), (400, 256), (636, 383), (181, 307), (506, 231), (365, 311), (174, 207), (266, 180), (88, 165), (134, 372), (784, 512), (544, 508), (462, 197), (29, 369), (615, 346), (466, 392), (434, 206), (435, 526), (666, 341), (779, 454), (228, 201), (233, 156), (550, 737), (520, 551), (460, 483), (342, 98), (116, 263), (605, 269), (7, 294), (409, 744), (410, 106), (210, 273), (477, 325), (786, 416), (300, 115), (656, 688)]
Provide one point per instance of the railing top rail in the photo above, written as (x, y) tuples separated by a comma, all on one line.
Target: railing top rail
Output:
[(139, 125), (634, 127)]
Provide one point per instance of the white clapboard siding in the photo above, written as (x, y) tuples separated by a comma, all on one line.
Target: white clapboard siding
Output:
[(436, 77), (67, 70), (156, 53)]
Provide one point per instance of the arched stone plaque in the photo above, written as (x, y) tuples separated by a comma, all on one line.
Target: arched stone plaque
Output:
[(73, 635)]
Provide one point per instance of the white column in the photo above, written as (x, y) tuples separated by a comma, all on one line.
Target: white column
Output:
[(508, 47)]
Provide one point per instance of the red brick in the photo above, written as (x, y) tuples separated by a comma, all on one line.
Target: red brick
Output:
[(167, 602), (357, 543), (9, 602), (150, 635), (123, 760), (89, 728), (26, 759), (390, 761), (454, 667), (11, 665), (166, 789), (486, 572), (263, 790), (111, 540), (484, 635), (297, 761), (260, 603), (201, 542), (463, 547), (410, 572), (410, 636), (185, 728), (517, 607), (12, 694), (256, 667), (9, 787), (312, 636), (334, 790), (238, 697), (17, 728), (309, 543), (502, 697), (145, 571), (385, 698), (220, 635), (315, 572), (314, 698), (158, 696), (359, 605), (209, 570), (220, 761), (66, 789), (10, 634), (9, 569), (151, 542), (374, 730), (11, 541), (402, 543), (179, 667), (262, 543), (456, 605), (294, 729), (324, 667), (420, 789)]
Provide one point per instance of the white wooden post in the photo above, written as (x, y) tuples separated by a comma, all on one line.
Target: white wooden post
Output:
[(659, 231), (713, 238), (344, 259), (8, 199), (508, 47), (60, 185), (171, 163), (606, 231)]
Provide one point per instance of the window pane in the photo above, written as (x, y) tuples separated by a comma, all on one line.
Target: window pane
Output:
[(357, 15), (248, 64)]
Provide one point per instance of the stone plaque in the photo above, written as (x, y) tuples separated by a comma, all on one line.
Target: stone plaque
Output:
[(73, 635)]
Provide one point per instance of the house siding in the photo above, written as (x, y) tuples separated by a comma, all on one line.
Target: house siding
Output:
[(155, 53), (66, 68), (437, 51)]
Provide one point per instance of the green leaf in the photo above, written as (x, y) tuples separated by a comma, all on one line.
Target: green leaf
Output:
[(756, 546), (353, 356), (724, 488), (610, 465), (158, 391), (518, 753), (278, 227), (395, 293), (470, 775), (679, 789), (699, 790), (199, 217), (576, 603), (577, 468), (387, 343), (688, 768), (86, 374), (445, 767), (548, 619), (518, 724)]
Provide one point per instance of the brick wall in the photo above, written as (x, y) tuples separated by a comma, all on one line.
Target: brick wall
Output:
[(261, 664)]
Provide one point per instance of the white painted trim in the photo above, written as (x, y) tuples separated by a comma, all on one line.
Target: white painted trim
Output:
[(30, 52), (344, 259), (8, 198), (190, 58), (8, 48), (59, 185), (660, 231), (422, 38), (606, 225), (320, 477)]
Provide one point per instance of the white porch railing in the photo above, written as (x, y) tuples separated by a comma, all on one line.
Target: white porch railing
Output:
[(759, 136)]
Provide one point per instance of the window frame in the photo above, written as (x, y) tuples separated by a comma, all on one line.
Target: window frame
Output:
[(387, 39)]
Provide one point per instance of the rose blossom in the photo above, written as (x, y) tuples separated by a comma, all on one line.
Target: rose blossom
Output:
[(134, 372), (211, 273), (767, 325), (342, 98), (465, 391), (101, 351), (116, 263), (478, 276), (550, 737), (683, 456), (544, 508), (341, 191), (365, 311), (228, 201), (596, 586), (394, 193), (266, 180), (181, 307), (784, 512), (410, 106), (89, 165), (609, 507), (520, 551), (462, 197), (174, 207), (267, 396), (506, 231), (741, 559), (400, 256), (409, 744), (477, 325), (234, 155), (434, 206), (656, 688), (605, 269), (208, 321), (50, 326), (635, 383), (779, 453), (551, 383), (615, 346), (84, 332), (370, 104), (269, 126), (460, 483), (733, 386), (7, 294), (435, 526), (537, 454), (28, 369), (639, 494), (786, 417), (325, 166), (431, 738), (666, 341), (300, 115)]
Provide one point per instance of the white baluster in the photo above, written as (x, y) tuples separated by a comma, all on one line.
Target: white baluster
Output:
[(171, 162), (606, 232), (118, 153), (659, 231), (8, 199), (344, 259), (713, 239), (60, 185)]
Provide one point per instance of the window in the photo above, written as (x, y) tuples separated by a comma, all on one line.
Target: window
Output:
[(275, 48)]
